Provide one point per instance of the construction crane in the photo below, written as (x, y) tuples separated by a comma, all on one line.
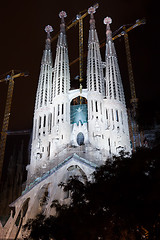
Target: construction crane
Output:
[(80, 48), (20, 132), (133, 99), (134, 129), (10, 79)]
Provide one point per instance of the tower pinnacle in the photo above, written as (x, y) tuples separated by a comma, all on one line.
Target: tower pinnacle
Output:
[(107, 21), (95, 80), (91, 11), (48, 29), (62, 15), (114, 88), (61, 75), (43, 90)]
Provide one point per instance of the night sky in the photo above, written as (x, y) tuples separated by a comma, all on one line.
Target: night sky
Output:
[(22, 42)]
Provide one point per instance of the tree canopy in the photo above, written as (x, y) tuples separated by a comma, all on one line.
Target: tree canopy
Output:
[(121, 202)]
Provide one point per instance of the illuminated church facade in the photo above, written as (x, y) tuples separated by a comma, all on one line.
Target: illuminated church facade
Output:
[(92, 119), (74, 131)]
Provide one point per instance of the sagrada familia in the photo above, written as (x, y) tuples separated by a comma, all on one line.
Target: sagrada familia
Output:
[(74, 131)]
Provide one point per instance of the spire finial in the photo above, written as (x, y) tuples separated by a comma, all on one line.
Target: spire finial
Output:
[(48, 29), (91, 11), (62, 15), (107, 21)]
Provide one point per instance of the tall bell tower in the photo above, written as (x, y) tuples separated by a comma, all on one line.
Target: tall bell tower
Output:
[(41, 120), (115, 113), (51, 127)]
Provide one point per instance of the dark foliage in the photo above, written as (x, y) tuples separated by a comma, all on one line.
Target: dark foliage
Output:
[(122, 202)]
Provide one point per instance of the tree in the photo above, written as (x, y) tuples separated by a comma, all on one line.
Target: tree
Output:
[(122, 202)]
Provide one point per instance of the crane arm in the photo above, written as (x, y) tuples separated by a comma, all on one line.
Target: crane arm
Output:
[(13, 77), (6, 123), (130, 70)]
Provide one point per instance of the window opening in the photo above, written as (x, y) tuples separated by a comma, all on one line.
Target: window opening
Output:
[(58, 109), (117, 117), (49, 149), (112, 115), (92, 105), (62, 108), (106, 114), (80, 138), (44, 121), (96, 104), (49, 122), (101, 107), (35, 129), (53, 115), (40, 119), (122, 117)]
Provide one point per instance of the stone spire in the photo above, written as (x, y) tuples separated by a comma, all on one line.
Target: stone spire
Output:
[(95, 80), (114, 88), (61, 75), (45, 77)]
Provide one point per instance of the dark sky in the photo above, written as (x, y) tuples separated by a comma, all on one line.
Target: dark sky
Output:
[(23, 38)]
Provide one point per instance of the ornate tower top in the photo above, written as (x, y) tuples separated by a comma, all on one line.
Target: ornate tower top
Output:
[(114, 87), (107, 21), (62, 15), (91, 11), (43, 90), (95, 80), (48, 29), (61, 75)]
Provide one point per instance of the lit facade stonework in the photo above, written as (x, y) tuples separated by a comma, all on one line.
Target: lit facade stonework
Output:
[(74, 131)]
